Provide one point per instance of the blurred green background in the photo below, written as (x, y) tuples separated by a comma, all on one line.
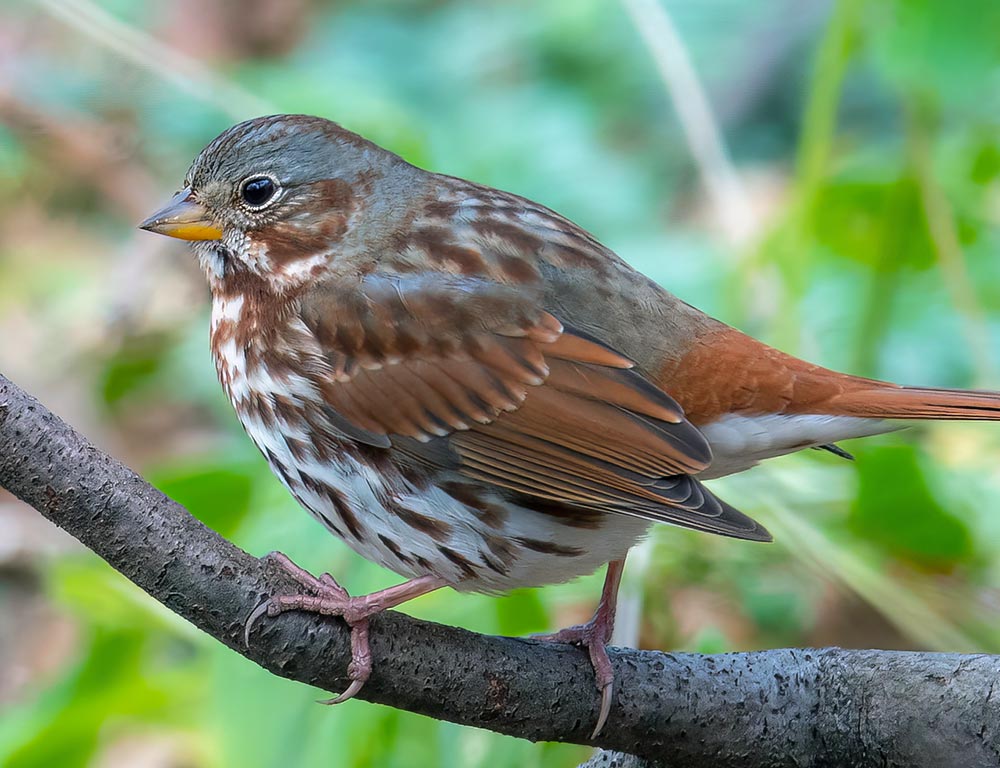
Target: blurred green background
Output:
[(849, 214)]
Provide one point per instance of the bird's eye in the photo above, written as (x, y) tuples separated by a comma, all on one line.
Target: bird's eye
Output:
[(258, 191)]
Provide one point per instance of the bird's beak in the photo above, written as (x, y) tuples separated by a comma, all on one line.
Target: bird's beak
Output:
[(184, 218)]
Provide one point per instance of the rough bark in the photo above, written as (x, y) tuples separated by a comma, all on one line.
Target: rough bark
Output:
[(827, 707)]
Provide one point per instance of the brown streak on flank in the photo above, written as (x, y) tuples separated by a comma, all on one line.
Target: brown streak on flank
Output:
[(464, 565), (548, 547), (394, 548), (279, 467), (566, 514), (491, 514), (417, 476), (376, 458), (498, 568), (346, 513), (436, 529), (324, 520), (499, 547), (312, 484), (325, 445), (322, 490)]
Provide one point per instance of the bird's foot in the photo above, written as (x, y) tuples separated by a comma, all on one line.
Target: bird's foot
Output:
[(594, 636), (326, 597)]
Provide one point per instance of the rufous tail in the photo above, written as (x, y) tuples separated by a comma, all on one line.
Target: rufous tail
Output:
[(892, 402)]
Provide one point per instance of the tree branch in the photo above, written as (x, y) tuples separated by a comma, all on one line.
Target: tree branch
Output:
[(827, 707)]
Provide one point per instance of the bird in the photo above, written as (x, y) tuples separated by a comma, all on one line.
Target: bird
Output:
[(470, 389)]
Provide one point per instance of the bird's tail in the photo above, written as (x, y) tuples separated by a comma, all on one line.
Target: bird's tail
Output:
[(891, 402)]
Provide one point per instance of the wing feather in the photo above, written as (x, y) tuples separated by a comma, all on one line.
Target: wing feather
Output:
[(523, 402)]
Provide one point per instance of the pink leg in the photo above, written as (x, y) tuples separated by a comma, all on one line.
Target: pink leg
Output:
[(328, 598), (595, 636)]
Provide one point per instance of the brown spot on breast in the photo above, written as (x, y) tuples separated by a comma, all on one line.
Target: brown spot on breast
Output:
[(223, 331), (285, 408), (259, 407), (265, 348)]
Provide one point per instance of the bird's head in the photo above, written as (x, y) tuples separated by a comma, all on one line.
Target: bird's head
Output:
[(276, 198)]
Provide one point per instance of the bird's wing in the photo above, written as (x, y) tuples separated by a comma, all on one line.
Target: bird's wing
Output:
[(525, 403)]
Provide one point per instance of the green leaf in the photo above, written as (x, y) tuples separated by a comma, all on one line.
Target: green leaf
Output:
[(896, 509), (521, 612), (217, 493), (134, 366)]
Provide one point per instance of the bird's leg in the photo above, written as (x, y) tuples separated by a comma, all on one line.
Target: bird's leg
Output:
[(595, 636), (327, 598)]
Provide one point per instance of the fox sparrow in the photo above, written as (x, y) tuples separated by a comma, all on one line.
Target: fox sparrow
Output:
[(471, 390)]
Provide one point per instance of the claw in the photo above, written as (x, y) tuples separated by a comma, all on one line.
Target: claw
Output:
[(257, 612), (349, 693), (607, 693)]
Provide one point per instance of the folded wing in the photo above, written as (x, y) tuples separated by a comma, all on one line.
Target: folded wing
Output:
[(525, 403)]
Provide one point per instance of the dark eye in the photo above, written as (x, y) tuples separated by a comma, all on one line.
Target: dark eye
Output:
[(258, 190)]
